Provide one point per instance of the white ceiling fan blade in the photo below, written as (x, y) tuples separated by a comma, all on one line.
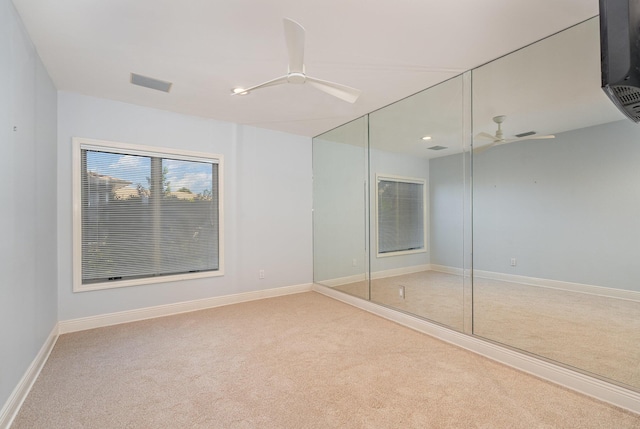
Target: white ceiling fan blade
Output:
[(481, 149), (343, 92), (486, 136), (498, 138), (550, 136), (532, 137), (294, 36), (244, 91)]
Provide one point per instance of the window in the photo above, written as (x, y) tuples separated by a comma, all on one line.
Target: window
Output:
[(144, 215), (401, 215)]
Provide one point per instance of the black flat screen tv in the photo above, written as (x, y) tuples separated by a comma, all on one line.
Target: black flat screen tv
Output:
[(620, 54)]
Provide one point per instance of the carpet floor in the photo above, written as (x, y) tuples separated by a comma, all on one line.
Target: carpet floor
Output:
[(297, 361), (593, 333)]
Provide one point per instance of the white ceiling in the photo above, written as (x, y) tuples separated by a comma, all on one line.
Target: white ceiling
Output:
[(549, 87), (388, 50)]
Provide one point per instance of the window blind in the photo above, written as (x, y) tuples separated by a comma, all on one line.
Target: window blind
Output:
[(147, 216), (401, 221)]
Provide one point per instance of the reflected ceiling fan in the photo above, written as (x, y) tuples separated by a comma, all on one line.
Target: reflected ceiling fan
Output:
[(294, 37), (499, 139)]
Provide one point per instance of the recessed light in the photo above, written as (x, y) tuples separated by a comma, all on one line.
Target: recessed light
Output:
[(239, 91), (426, 138)]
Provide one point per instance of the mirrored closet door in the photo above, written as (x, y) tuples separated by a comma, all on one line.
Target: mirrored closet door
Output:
[(340, 211), (417, 191), (389, 206), (547, 202), (555, 209)]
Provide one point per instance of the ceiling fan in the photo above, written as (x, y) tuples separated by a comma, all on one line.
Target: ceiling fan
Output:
[(294, 36), (499, 139)]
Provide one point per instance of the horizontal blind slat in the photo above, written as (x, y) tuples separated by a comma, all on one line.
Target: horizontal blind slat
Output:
[(132, 227), (400, 216)]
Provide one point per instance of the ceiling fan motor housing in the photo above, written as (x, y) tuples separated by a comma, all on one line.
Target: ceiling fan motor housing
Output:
[(296, 77)]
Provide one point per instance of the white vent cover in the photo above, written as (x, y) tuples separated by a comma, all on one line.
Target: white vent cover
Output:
[(149, 82)]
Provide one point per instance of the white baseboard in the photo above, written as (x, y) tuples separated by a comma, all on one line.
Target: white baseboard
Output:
[(400, 271), (573, 380), (562, 285), (84, 323), (344, 280), (10, 409), (449, 270), (375, 275), (628, 295)]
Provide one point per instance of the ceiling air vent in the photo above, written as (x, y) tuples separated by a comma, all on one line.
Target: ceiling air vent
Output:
[(149, 82), (628, 100), (527, 134), (437, 147)]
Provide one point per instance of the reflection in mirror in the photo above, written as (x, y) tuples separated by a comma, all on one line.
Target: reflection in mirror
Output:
[(555, 220), (340, 254), (417, 190)]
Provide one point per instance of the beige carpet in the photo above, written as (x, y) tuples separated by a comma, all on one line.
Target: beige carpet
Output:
[(437, 296), (430, 294), (299, 361), (597, 334)]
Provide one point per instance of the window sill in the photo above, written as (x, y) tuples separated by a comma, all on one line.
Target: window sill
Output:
[(401, 253)]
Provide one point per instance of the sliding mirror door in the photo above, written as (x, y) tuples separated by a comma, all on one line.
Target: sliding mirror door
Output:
[(555, 220), (340, 225), (417, 191)]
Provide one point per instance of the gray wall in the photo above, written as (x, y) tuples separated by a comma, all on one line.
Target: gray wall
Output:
[(28, 294), (341, 213), (274, 209), (267, 201), (446, 197), (567, 209), (340, 222)]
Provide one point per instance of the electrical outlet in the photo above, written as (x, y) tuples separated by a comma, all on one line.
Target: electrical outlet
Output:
[(401, 291), (261, 274), (514, 262), (354, 263)]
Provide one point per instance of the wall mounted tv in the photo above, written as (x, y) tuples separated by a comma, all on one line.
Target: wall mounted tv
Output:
[(620, 54)]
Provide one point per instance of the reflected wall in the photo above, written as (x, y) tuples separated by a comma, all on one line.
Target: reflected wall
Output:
[(389, 192), (416, 156), (555, 219), (340, 212), (549, 214)]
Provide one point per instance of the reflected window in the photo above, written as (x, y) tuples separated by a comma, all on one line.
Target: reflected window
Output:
[(401, 219)]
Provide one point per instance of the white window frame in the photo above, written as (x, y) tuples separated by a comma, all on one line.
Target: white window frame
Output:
[(403, 179), (80, 144)]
